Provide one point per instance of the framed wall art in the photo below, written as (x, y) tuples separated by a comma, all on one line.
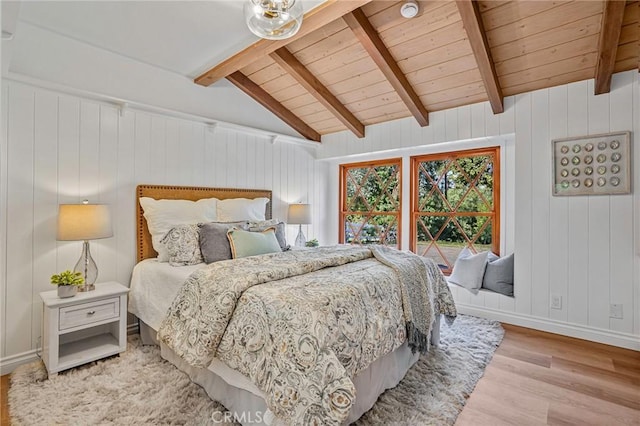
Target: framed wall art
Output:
[(592, 165)]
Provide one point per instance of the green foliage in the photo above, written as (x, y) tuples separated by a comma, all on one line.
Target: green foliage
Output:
[(454, 192), (445, 185), (312, 243), (67, 278)]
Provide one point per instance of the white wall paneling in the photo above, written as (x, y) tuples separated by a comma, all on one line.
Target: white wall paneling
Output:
[(585, 249), (59, 148)]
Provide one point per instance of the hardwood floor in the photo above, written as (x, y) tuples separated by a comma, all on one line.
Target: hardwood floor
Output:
[(4, 406), (537, 378)]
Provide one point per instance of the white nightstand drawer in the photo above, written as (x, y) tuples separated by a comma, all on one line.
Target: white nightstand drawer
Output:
[(88, 313)]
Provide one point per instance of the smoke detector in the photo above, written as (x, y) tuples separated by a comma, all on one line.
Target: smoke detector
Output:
[(409, 8)]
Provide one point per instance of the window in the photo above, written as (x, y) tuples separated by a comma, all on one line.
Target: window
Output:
[(455, 202), (370, 197)]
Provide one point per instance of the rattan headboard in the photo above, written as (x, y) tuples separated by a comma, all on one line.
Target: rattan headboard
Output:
[(144, 249)]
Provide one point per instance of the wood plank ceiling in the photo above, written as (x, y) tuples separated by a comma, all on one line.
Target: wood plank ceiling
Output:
[(356, 66)]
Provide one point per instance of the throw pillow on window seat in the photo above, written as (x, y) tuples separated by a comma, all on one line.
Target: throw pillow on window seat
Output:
[(468, 270), (498, 275)]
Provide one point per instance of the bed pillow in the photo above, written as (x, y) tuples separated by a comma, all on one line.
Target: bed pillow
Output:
[(246, 243), (468, 270), (280, 230), (237, 209), (214, 244), (498, 276), (183, 245), (164, 215)]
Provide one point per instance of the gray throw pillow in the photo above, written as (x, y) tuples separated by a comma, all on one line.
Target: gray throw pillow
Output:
[(214, 244), (469, 270), (498, 276), (280, 230)]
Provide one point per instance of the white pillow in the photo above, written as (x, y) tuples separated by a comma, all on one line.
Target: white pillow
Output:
[(164, 215), (239, 209), (468, 270)]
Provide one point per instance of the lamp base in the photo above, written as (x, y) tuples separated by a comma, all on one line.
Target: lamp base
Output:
[(301, 241), (87, 267)]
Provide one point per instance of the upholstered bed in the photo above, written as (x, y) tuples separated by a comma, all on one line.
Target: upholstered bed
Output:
[(159, 295)]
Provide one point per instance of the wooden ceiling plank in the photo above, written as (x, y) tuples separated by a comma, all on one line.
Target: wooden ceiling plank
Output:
[(425, 23), (320, 34), (464, 63), (453, 103), (470, 13), (549, 71), (608, 44), (543, 22), (316, 18), (549, 55), (569, 32), (515, 11), (373, 44), (429, 41), (555, 80), (289, 63), (448, 81), (628, 57), (440, 55), (632, 13), (263, 98)]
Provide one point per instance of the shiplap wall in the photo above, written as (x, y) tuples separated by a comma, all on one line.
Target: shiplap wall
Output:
[(62, 149), (585, 249)]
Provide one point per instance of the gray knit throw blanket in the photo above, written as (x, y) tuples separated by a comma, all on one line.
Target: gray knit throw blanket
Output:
[(417, 293)]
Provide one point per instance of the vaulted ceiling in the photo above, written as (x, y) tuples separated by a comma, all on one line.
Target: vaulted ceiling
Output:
[(356, 63)]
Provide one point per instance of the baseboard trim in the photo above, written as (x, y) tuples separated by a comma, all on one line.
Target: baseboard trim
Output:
[(608, 337), (10, 363)]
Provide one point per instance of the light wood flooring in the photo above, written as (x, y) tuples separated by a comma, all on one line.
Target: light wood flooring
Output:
[(537, 378)]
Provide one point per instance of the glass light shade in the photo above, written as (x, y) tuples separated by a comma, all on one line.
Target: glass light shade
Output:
[(273, 19), (299, 214)]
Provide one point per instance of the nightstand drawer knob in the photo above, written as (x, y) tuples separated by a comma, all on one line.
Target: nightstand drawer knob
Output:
[(91, 312)]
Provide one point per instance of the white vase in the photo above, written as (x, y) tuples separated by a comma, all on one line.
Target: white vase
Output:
[(67, 290)]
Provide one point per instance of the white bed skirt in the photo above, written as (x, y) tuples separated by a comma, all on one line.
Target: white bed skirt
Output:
[(246, 403)]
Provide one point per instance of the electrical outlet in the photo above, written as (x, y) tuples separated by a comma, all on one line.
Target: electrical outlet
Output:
[(615, 311), (556, 301)]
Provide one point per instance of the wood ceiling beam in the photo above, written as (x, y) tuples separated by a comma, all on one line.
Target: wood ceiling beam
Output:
[(375, 47), (316, 18), (302, 75), (608, 44), (245, 84), (472, 21)]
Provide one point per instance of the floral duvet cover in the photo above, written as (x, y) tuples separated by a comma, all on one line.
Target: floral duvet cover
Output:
[(301, 324)]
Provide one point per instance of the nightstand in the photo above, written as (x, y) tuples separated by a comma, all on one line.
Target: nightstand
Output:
[(80, 329)]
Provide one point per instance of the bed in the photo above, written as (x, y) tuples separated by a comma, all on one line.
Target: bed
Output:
[(159, 293)]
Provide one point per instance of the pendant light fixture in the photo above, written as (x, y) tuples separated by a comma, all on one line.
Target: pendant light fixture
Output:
[(273, 19)]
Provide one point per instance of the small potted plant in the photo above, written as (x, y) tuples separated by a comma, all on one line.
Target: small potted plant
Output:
[(67, 282), (312, 243)]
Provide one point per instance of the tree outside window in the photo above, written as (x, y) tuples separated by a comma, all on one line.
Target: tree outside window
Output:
[(370, 202), (455, 203)]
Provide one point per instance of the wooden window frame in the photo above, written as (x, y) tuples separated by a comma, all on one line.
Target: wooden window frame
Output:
[(452, 155), (344, 168)]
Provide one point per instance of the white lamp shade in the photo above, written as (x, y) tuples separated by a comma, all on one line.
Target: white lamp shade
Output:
[(81, 222), (299, 214)]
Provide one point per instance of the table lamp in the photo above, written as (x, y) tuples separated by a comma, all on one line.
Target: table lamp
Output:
[(300, 214), (84, 222)]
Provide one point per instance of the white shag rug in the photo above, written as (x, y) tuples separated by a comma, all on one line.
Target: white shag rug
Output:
[(139, 387)]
